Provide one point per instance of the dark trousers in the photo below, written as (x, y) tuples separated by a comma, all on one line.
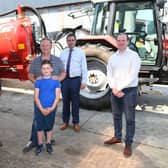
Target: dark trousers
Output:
[(70, 88), (127, 105), (33, 136)]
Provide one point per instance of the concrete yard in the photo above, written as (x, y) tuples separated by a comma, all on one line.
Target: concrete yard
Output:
[(84, 149)]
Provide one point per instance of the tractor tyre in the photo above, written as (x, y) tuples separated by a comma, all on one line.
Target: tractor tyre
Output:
[(97, 93)]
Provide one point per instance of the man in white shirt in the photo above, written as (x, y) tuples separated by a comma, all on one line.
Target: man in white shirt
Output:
[(122, 75)]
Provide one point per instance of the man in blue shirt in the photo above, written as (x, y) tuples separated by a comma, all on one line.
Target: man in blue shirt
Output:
[(75, 64)]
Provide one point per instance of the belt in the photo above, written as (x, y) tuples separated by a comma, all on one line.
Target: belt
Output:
[(75, 77)]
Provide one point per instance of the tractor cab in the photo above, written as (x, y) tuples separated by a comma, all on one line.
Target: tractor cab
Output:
[(139, 19)]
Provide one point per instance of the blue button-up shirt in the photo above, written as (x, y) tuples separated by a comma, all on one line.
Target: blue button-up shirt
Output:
[(78, 64)]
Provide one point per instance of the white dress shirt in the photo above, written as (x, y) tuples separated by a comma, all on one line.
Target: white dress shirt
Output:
[(123, 69)]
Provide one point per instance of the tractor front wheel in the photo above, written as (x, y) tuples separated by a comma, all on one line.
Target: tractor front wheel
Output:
[(97, 93)]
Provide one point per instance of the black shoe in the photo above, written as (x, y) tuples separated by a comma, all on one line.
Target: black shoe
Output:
[(49, 148), (53, 141), (28, 147), (38, 149)]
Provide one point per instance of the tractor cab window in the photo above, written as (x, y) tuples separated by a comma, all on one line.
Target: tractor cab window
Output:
[(101, 20), (137, 20)]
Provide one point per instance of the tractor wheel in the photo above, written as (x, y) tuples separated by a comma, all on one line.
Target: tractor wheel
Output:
[(97, 93)]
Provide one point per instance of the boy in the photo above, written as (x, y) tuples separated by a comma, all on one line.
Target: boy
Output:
[(46, 95)]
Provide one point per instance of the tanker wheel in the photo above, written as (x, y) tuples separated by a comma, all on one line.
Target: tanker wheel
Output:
[(97, 93)]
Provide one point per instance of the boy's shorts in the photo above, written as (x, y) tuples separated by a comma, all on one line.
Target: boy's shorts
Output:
[(44, 122)]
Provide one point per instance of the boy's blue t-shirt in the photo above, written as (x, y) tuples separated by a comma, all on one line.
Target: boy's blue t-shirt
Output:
[(47, 91)]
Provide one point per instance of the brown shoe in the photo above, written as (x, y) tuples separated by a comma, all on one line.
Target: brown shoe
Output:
[(127, 151), (113, 140), (76, 127), (63, 126)]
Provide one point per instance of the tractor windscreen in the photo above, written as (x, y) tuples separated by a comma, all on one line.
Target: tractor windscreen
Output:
[(136, 19)]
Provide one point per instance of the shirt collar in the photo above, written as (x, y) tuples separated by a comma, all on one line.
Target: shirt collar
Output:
[(124, 51), (73, 49)]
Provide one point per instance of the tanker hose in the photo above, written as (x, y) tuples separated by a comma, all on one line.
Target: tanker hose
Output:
[(33, 10)]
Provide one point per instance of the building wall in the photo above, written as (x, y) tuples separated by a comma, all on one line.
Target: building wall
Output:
[(57, 18), (12, 4), (55, 13)]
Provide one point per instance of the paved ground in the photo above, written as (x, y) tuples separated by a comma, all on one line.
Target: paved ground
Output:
[(84, 149)]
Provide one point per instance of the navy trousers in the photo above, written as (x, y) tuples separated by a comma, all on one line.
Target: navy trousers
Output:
[(33, 136), (126, 105), (70, 88)]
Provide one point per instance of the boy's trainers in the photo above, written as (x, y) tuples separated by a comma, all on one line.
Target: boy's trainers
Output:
[(49, 148), (38, 149)]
